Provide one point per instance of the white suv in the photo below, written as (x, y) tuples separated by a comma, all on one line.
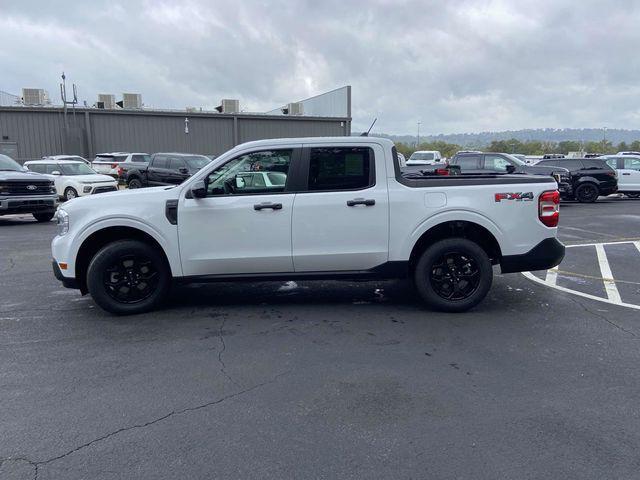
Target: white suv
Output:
[(108, 163), (73, 178)]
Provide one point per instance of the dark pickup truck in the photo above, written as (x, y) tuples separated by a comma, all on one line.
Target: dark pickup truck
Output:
[(471, 163), (26, 192), (162, 169)]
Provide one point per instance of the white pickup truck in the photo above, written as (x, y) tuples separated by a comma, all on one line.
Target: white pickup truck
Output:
[(344, 211)]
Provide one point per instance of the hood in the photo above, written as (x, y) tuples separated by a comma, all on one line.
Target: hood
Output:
[(23, 176), (91, 178), (128, 198)]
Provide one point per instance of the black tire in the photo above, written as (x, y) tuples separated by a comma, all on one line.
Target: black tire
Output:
[(434, 271), (587, 192), (43, 217), (134, 183), (128, 277), (70, 193)]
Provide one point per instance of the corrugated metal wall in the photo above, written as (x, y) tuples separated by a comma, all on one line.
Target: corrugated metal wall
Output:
[(41, 131)]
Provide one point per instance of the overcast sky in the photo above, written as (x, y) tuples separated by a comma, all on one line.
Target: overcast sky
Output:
[(456, 66)]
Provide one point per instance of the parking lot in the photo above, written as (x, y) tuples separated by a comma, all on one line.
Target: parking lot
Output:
[(325, 379)]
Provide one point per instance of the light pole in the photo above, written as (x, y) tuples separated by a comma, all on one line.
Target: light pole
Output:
[(604, 139), (418, 142)]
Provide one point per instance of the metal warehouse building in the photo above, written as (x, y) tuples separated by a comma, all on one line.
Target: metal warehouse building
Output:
[(33, 132)]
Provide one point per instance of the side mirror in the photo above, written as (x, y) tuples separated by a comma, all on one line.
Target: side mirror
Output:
[(240, 183), (56, 172), (199, 189), (511, 169), (183, 170)]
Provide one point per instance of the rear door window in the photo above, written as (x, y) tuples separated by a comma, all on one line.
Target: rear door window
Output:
[(496, 163), (632, 163), (160, 161), (594, 164), (141, 158), (340, 168), (175, 163), (469, 162)]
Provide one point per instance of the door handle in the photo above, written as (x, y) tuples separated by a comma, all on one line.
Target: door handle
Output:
[(626, 174), (272, 206), (361, 201)]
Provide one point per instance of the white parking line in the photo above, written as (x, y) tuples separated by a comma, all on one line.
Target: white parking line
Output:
[(613, 296), (607, 275)]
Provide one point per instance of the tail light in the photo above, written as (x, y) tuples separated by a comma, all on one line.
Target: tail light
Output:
[(120, 171), (442, 171), (114, 165), (549, 208)]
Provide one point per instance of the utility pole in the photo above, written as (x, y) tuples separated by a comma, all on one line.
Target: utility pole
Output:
[(604, 139), (418, 142)]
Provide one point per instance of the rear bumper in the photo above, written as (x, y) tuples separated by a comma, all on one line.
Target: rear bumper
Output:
[(66, 282), (547, 254)]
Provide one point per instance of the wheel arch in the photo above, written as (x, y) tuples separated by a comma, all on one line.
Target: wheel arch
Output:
[(100, 237), (457, 229)]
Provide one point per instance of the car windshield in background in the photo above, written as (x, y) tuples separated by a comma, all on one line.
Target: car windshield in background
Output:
[(196, 161), (422, 156), (7, 163), (515, 159), (76, 169)]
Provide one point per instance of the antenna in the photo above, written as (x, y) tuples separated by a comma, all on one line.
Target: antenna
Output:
[(366, 134)]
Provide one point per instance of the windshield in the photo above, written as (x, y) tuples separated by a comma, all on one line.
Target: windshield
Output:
[(422, 156), (515, 159), (76, 169), (7, 163), (196, 162)]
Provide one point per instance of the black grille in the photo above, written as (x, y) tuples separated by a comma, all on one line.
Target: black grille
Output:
[(26, 188), (104, 189), (30, 205)]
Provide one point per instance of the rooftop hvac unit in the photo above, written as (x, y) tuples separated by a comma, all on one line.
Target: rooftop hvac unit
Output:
[(296, 108), (192, 109), (35, 96), (107, 101), (229, 106), (131, 101)]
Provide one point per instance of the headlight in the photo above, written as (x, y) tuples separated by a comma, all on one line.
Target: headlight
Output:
[(86, 188), (63, 222)]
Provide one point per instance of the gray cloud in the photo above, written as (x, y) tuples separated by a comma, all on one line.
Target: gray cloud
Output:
[(456, 66)]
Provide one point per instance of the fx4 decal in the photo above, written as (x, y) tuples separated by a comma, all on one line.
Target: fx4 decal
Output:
[(518, 196)]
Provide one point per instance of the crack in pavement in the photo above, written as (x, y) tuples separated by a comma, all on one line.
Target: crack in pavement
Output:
[(602, 317), (223, 367), (37, 463)]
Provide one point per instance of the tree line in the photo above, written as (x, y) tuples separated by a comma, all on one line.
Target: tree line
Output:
[(529, 147)]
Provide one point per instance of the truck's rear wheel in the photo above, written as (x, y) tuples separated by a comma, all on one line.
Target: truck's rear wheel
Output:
[(587, 192), (453, 275), (128, 277)]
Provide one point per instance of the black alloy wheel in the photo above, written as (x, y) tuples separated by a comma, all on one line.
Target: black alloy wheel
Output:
[(130, 279), (455, 276), (587, 193)]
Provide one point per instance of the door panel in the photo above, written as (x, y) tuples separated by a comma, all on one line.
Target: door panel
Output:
[(331, 232), (227, 235)]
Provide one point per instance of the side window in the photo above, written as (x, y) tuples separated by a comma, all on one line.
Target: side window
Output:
[(36, 168), (175, 163), (496, 163), (160, 161), (593, 164), (52, 167), (341, 168), (632, 163), (245, 174), (467, 161)]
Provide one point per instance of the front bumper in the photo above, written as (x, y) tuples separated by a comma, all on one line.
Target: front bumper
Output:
[(66, 281), (28, 204), (545, 255)]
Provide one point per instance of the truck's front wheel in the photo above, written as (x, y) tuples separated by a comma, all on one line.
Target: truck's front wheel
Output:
[(128, 277), (453, 275)]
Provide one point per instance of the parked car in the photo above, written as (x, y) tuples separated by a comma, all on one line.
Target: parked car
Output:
[(474, 163), (72, 178), (345, 211), (75, 158), (628, 168), (590, 177), (162, 169), (635, 154), (22, 191), (108, 163), (424, 157)]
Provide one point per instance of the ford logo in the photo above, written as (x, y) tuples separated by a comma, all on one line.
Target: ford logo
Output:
[(32, 187)]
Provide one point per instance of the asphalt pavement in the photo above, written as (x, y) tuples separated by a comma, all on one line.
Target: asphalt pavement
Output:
[(325, 379)]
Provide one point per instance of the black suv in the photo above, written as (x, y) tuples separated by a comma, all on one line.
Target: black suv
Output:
[(471, 163), (25, 192), (590, 177)]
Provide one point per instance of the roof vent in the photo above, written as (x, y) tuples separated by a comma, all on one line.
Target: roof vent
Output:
[(229, 106)]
